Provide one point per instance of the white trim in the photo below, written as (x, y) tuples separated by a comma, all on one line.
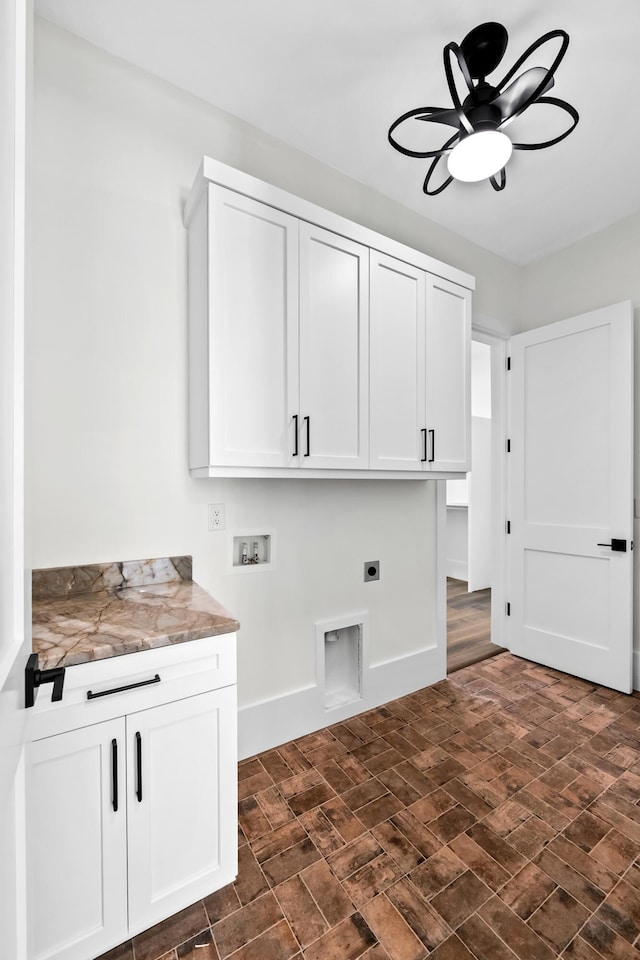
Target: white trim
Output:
[(270, 723), (483, 332), (636, 670), (295, 473), (441, 577), (499, 584)]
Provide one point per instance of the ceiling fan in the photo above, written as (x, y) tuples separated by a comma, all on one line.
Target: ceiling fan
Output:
[(480, 149)]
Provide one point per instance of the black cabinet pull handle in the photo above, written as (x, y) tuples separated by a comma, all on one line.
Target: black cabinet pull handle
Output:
[(308, 423), (432, 437), (114, 774), (130, 686), (295, 435), (139, 766), (423, 458)]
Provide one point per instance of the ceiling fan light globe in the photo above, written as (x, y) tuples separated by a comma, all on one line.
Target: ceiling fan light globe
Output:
[(479, 156)]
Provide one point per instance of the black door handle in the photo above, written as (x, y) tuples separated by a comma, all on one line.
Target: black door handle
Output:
[(114, 774), (423, 458), (618, 546), (432, 435), (139, 766), (295, 435)]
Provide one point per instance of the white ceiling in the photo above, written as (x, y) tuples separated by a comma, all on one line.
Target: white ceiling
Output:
[(329, 76)]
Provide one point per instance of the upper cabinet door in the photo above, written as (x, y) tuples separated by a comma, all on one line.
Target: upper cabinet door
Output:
[(334, 370), (253, 332), (397, 350), (448, 376)]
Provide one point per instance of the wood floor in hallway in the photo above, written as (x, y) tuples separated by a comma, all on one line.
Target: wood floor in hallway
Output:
[(468, 626)]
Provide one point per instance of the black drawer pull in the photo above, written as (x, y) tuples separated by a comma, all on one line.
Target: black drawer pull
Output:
[(432, 435), (130, 686), (423, 458), (114, 775), (139, 766)]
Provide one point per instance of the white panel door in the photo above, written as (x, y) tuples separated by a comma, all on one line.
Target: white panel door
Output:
[(253, 331), (571, 481), (76, 843), (448, 375), (182, 798), (334, 350), (397, 367)]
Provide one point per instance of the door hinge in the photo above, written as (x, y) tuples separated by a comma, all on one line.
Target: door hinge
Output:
[(508, 363), (508, 526), (508, 446), (508, 609)]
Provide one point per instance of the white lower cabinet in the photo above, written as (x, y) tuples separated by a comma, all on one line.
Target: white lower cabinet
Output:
[(128, 821), (181, 771), (77, 843)]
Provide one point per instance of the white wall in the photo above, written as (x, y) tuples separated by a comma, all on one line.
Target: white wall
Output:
[(457, 565), (114, 156), (599, 270)]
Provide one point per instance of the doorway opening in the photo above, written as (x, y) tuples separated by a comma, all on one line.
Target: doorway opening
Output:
[(470, 525)]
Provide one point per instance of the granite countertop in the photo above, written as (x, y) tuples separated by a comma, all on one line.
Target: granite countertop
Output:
[(96, 611)]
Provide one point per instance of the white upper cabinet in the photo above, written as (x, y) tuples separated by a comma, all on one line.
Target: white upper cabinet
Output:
[(317, 347), (448, 376), (420, 369), (334, 354), (243, 263), (397, 335)]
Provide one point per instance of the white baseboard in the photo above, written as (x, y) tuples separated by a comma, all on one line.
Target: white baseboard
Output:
[(270, 723), (458, 569), (636, 670)]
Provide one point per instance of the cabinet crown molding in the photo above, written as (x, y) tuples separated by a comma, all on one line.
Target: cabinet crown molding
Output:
[(214, 171)]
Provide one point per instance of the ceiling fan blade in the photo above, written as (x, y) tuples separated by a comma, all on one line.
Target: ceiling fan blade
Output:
[(441, 116), (420, 113), (518, 93), (483, 49)]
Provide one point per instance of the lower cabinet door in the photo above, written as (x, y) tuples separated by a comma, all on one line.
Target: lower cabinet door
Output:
[(76, 843), (182, 796)]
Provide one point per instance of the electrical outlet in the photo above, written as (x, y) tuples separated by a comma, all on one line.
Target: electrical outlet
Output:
[(371, 570), (216, 516)]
